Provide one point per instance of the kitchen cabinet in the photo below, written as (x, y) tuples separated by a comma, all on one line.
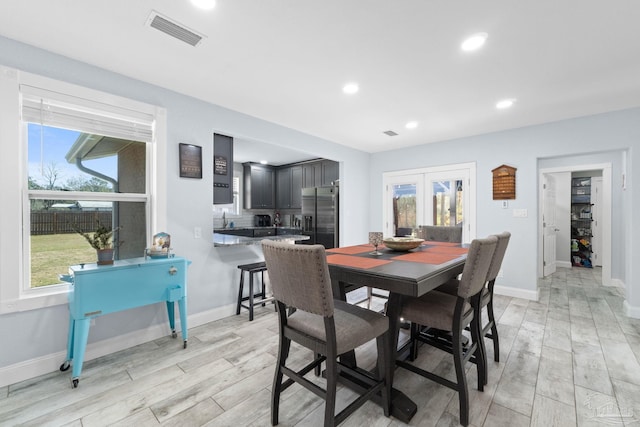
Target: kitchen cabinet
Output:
[(259, 186), (581, 237), (329, 173), (243, 232), (311, 173), (222, 169), (321, 173), (289, 187)]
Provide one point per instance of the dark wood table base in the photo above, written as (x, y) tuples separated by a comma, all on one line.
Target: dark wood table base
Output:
[(402, 407)]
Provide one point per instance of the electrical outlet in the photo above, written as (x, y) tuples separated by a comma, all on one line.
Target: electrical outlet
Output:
[(500, 273), (505, 204), (92, 322), (197, 232)]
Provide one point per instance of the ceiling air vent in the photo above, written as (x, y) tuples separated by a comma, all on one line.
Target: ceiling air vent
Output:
[(389, 133), (173, 29)]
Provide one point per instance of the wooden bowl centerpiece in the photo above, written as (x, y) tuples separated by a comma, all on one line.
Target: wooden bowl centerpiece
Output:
[(402, 243)]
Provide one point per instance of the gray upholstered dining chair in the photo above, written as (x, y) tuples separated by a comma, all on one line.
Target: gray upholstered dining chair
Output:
[(440, 233), (453, 313), (301, 285), (490, 328), (487, 295)]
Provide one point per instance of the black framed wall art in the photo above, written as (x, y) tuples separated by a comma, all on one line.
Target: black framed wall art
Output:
[(190, 161)]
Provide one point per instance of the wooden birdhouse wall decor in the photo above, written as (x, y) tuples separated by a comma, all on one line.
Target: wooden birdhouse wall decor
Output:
[(504, 183)]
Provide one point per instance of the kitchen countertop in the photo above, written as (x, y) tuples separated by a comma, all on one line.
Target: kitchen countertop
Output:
[(281, 227), (232, 240)]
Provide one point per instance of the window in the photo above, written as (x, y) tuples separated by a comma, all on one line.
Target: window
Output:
[(75, 182), (78, 157)]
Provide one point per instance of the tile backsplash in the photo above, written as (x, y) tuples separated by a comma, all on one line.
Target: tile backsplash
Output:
[(246, 219)]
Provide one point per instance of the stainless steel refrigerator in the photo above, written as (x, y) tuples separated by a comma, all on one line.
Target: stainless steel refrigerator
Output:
[(320, 219)]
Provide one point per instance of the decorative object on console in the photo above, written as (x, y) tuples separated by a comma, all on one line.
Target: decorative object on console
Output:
[(161, 246), (101, 240), (375, 238)]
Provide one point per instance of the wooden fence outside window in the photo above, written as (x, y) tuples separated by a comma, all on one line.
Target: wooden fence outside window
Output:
[(52, 222)]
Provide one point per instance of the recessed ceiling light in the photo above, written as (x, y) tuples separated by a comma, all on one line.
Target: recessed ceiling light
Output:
[(411, 125), (350, 88), (204, 4), (263, 162), (474, 42), (505, 103)]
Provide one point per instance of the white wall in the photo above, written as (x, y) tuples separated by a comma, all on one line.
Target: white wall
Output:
[(34, 342)]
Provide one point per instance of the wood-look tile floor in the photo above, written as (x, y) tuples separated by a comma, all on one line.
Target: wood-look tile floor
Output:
[(570, 359)]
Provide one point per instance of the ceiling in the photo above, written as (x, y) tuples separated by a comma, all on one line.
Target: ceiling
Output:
[(286, 61)]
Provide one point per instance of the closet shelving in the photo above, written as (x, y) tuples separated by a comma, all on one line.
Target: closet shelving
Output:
[(581, 222)]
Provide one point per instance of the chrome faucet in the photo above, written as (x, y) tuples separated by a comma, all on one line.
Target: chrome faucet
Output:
[(224, 220)]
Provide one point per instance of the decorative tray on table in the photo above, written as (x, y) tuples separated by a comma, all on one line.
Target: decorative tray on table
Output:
[(402, 243)]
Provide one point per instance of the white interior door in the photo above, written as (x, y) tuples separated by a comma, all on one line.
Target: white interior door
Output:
[(549, 226)]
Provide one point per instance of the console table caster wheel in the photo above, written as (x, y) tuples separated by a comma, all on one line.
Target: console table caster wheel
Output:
[(74, 382), (185, 345), (174, 334), (65, 366)]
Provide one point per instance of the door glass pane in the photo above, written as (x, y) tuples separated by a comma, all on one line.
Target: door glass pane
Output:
[(404, 209), (447, 202)]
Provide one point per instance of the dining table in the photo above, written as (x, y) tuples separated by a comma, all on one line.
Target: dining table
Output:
[(410, 273)]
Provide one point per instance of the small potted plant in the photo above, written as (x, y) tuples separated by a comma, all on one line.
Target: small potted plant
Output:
[(101, 240)]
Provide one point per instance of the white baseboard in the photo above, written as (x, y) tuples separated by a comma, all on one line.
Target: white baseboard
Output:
[(616, 282), (631, 311), (563, 264), (49, 363), (516, 293)]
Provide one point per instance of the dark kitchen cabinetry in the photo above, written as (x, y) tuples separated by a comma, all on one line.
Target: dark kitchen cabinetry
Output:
[(581, 222), (329, 172), (259, 186), (222, 169), (310, 174), (319, 174), (242, 232), (289, 187)]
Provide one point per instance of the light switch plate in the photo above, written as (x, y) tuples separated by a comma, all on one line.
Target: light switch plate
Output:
[(520, 213)]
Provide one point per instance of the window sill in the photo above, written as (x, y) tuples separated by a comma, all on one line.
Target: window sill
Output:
[(34, 299)]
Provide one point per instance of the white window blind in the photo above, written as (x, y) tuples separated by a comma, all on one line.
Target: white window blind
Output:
[(70, 112)]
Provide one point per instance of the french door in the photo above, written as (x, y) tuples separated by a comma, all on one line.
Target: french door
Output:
[(434, 196)]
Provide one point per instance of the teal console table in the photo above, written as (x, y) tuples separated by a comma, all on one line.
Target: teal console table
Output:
[(97, 290)]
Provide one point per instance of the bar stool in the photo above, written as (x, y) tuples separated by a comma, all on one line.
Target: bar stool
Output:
[(252, 269)]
